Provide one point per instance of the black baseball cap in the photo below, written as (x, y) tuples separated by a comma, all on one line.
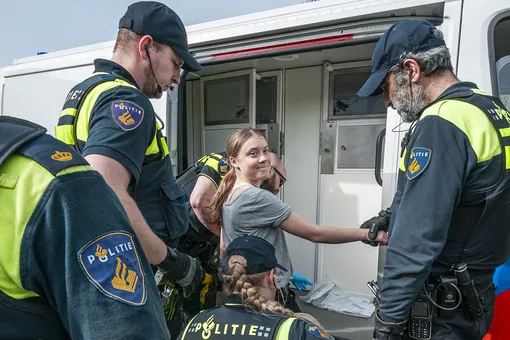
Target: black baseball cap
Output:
[(259, 254), (163, 25), (404, 36)]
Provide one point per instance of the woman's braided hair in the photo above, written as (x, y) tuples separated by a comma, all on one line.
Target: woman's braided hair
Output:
[(248, 287)]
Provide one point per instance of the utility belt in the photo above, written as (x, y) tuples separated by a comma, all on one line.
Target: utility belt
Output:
[(444, 296)]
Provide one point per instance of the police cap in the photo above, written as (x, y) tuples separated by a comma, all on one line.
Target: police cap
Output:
[(259, 254), (405, 36), (163, 25)]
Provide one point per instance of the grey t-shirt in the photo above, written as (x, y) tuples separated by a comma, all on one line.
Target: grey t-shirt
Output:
[(259, 213)]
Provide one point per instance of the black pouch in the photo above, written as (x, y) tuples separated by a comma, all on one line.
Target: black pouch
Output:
[(173, 203)]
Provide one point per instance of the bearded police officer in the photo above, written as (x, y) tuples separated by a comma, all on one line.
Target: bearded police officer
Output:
[(447, 230), (70, 265), (110, 120)]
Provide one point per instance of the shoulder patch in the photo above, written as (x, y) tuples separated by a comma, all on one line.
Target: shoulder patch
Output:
[(111, 263), (419, 159), (126, 114), (223, 167), (317, 332)]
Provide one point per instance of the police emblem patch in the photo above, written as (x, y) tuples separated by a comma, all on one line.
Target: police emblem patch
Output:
[(317, 332), (112, 264), (419, 159), (127, 115), (223, 166)]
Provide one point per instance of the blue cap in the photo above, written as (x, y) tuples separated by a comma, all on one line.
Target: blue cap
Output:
[(402, 37), (163, 25), (259, 254)]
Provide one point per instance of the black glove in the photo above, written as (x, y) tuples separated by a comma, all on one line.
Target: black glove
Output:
[(175, 266), (183, 269), (388, 331), (381, 222), (193, 279)]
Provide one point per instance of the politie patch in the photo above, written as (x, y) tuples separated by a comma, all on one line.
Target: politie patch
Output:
[(223, 166), (112, 264), (419, 159), (126, 114), (315, 331)]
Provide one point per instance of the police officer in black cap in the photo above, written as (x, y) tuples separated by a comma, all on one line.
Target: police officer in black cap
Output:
[(71, 266), (449, 217), (109, 119), (248, 272)]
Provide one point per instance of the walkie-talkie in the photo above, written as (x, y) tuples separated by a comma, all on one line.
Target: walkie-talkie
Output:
[(420, 321)]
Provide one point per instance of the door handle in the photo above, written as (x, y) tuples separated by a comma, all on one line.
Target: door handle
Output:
[(378, 156)]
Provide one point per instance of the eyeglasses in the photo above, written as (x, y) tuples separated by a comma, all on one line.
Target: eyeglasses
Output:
[(282, 178)]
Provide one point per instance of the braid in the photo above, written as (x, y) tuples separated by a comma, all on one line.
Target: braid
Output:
[(248, 287)]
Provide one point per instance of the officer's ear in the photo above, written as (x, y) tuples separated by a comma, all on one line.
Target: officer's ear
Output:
[(143, 46), (412, 70), (271, 278)]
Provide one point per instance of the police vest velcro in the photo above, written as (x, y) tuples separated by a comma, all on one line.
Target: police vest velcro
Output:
[(237, 323), (73, 124)]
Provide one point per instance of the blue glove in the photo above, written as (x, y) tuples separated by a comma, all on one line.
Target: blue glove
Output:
[(300, 282)]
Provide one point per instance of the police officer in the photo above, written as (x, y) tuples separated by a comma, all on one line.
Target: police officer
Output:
[(452, 202), (248, 273), (109, 119), (70, 265), (200, 182)]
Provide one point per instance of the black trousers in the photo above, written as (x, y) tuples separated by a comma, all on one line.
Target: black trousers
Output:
[(459, 328)]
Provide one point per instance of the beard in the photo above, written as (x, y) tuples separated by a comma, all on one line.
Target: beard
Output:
[(150, 87), (408, 103)]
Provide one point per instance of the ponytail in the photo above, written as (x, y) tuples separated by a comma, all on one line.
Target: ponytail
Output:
[(220, 197)]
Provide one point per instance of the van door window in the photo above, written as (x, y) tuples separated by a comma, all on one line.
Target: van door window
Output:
[(344, 102), (266, 100), (502, 59), (226, 100)]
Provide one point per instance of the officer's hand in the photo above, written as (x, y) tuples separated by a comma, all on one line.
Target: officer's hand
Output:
[(300, 281), (375, 225), (388, 331), (193, 279)]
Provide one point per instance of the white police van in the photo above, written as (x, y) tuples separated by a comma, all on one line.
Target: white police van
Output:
[(294, 73)]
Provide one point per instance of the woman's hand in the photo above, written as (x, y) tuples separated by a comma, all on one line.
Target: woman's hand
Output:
[(382, 238)]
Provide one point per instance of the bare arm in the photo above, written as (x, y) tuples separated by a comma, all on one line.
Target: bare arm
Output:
[(118, 177), (222, 246), (301, 227), (200, 201)]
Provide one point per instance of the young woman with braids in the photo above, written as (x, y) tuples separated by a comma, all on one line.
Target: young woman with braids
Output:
[(248, 274), (243, 208)]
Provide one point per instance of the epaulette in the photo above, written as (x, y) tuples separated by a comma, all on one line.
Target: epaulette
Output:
[(52, 154)]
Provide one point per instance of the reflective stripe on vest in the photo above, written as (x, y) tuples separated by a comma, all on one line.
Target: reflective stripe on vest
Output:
[(495, 140), (80, 102)]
